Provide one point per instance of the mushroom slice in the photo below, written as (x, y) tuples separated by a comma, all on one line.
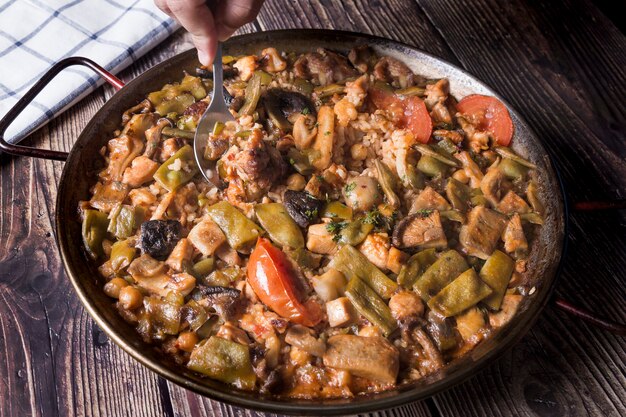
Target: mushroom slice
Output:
[(284, 106), (429, 199), (482, 232), (420, 230)]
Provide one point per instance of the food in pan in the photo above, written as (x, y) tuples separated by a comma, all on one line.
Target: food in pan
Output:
[(362, 228)]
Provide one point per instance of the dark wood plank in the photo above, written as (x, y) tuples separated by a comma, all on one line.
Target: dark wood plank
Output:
[(538, 55)]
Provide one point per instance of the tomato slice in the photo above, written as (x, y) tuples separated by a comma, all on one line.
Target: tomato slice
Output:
[(490, 115), (271, 276), (411, 113)]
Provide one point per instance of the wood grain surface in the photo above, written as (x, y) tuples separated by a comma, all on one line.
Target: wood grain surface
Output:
[(562, 65)]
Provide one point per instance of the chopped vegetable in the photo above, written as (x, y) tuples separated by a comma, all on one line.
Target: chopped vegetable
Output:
[(122, 222), (337, 210), (353, 263), (458, 194), (94, 231), (496, 272), (426, 150), (354, 232), (415, 267), (512, 169), (508, 153), (449, 265), (203, 268), (370, 305), (387, 183), (122, 255), (159, 237), (240, 231), (420, 230), (431, 166), (302, 206), (224, 361), (462, 293), (279, 225), (490, 114), (177, 170), (252, 95), (271, 276)]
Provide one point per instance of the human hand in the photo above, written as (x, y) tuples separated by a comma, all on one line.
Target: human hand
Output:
[(210, 21)]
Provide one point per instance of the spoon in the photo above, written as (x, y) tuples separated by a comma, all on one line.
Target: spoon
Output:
[(217, 112)]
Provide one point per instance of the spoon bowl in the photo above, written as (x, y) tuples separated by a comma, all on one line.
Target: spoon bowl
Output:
[(217, 112)]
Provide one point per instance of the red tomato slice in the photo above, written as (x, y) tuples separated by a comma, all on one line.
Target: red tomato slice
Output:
[(492, 116), (410, 113), (272, 278), (417, 119)]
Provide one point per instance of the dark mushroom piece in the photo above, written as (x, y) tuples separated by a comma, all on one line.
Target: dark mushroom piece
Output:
[(302, 206), (420, 230), (224, 300), (158, 237), (284, 106), (229, 72)]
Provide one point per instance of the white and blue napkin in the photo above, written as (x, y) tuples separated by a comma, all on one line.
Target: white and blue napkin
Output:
[(34, 34)]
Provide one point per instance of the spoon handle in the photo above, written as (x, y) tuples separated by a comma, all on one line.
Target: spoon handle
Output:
[(218, 76)]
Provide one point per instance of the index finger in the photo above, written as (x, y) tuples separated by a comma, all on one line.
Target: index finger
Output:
[(196, 17)]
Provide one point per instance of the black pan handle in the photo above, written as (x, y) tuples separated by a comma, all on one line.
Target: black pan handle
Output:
[(583, 314), (33, 92)]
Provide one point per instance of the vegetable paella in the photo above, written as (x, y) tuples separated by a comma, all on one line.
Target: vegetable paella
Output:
[(361, 230)]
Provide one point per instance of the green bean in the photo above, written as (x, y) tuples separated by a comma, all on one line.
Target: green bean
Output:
[(496, 272), (328, 90), (224, 361), (178, 133), (507, 153), (121, 255), (355, 232), (370, 305), (431, 166), (279, 225), (252, 95), (303, 86), (240, 231), (533, 218), (415, 267), (449, 265), (94, 230), (163, 315), (337, 210), (411, 91), (462, 293), (353, 263), (426, 150), (447, 146), (171, 179), (218, 127), (512, 169), (387, 183), (302, 160), (122, 222), (202, 268)]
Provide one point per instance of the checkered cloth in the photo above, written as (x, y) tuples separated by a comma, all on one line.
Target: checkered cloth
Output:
[(34, 34)]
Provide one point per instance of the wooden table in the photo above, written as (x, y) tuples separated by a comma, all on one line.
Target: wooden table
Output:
[(562, 66)]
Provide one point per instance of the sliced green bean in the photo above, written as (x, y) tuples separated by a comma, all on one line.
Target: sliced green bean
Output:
[(353, 263), (496, 272), (279, 225), (240, 231), (462, 293), (415, 267), (449, 265), (370, 305)]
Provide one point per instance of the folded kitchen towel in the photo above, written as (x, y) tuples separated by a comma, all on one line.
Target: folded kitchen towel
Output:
[(34, 34)]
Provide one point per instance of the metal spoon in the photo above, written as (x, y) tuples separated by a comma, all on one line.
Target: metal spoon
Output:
[(217, 112)]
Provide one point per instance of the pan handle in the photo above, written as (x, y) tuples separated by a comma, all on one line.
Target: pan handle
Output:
[(32, 93), (583, 314)]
